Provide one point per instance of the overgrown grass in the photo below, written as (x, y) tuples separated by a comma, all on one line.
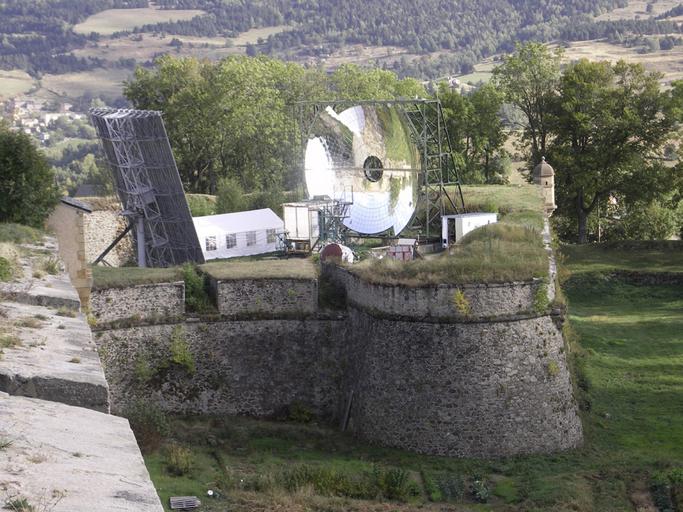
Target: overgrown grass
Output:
[(515, 204), (19, 234), (295, 268), (645, 256), (201, 204), (122, 277), (494, 253)]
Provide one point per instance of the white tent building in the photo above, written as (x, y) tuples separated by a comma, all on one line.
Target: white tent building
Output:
[(239, 234)]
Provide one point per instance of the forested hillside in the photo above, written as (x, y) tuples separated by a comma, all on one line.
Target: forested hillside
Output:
[(445, 36), (37, 35), (462, 31)]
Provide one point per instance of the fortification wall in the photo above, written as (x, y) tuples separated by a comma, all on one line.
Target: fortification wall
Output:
[(240, 367), (272, 297), (444, 302), (461, 389), (424, 374), (142, 302)]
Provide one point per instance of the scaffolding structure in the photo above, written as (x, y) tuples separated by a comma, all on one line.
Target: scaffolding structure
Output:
[(139, 154), (430, 135)]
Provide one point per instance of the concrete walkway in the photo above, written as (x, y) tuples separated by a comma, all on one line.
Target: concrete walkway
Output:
[(60, 450)]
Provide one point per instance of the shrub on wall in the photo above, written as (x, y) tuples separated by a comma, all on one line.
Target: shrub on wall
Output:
[(196, 298), (461, 303), (541, 301), (180, 350)]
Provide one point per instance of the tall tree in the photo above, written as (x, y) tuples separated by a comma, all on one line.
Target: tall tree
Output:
[(27, 186), (529, 80), (235, 118), (475, 128), (609, 122)]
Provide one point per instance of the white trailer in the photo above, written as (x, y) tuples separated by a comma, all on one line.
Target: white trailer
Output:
[(454, 227)]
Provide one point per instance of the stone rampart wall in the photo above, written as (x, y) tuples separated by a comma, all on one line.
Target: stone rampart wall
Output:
[(271, 297), (465, 389), (142, 302), (442, 302), (255, 368), (422, 374)]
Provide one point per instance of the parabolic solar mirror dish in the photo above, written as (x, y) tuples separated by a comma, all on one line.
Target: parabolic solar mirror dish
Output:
[(365, 153)]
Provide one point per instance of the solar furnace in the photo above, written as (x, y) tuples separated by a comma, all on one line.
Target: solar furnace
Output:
[(365, 152), (147, 182)]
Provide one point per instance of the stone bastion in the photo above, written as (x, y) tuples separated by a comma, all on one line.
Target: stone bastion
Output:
[(466, 371)]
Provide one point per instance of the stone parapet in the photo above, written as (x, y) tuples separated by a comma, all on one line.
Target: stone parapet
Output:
[(140, 302), (445, 302), (271, 297)]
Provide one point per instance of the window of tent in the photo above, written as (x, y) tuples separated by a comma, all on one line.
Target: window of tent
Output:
[(251, 238), (231, 241), (270, 236), (211, 244)]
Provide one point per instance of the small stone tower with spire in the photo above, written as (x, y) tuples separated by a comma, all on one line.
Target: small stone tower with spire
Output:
[(544, 175)]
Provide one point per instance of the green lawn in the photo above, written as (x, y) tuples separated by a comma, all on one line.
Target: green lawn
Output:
[(121, 277), (256, 268), (630, 256), (627, 354)]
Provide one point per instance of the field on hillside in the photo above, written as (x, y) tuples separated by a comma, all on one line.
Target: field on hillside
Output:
[(14, 83), (115, 20), (637, 9), (107, 82), (668, 62), (153, 45), (626, 348)]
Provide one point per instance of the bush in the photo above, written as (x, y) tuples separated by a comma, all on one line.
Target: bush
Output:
[(230, 196), (201, 204), (6, 269), (27, 187), (19, 234), (149, 423), (647, 222), (196, 297), (299, 413), (179, 460), (180, 350), (271, 198)]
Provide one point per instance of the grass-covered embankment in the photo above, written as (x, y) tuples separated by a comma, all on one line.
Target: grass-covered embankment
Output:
[(123, 277), (511, 250), (256, 268)]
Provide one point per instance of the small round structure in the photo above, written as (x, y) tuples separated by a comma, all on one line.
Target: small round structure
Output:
[(544, 175)]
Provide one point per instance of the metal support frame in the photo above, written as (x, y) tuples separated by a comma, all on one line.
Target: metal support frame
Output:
[(429, 133), (116, 241), (148, 184)]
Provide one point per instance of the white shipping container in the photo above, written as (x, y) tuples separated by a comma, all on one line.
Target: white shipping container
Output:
[(454, 227)]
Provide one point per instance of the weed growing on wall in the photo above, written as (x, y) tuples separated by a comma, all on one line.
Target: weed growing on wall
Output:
[(50, 265), (143, 371), (553, 369), (197, 299), (541, 301), (180, 350), (6, 271), (462, 305)]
